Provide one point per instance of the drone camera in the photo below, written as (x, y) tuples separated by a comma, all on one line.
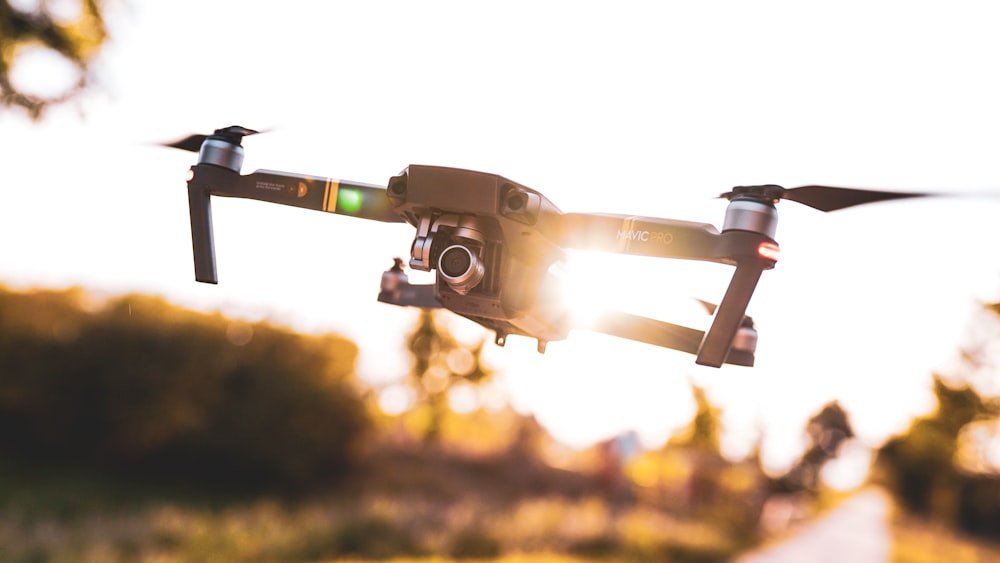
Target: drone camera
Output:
[(461, 268), (461, 262)]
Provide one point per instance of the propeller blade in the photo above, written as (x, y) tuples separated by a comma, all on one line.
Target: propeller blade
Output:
[(707, 305), (235, 130), (191, 143), (823, 198), (233, 134), (829, 198)]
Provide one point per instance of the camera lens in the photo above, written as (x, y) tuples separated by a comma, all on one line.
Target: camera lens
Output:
[(460, 268), (455, 261)]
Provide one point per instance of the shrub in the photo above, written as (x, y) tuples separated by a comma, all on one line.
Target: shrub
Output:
[(144, 386)]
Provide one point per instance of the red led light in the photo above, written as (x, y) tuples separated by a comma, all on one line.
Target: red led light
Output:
[(768, 250), (190, 175)]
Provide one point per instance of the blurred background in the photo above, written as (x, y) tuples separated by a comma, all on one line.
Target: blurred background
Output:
[(285, 414)]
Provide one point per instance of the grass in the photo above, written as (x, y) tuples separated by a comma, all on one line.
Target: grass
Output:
[(401, 505), (917, 540)]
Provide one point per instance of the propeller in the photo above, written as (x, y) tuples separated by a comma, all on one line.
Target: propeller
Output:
[(232, 134), (824, 198)]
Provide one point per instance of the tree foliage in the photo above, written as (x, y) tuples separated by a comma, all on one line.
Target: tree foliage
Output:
[(438, 363), (76, 37), (920, 469), (140, 386), (705, 430), (827, 430)]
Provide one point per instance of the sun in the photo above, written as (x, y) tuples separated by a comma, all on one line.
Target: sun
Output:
[(594, 283)]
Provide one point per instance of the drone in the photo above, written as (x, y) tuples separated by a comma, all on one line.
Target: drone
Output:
[(493, 243)]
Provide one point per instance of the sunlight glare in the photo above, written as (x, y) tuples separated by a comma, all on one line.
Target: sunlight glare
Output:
[(596, 283), (396, 399), (850, 468), (43, 72), (462, 398)]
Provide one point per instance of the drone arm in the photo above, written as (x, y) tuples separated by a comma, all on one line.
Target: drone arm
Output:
[(202, 241), (342, 197), (642, 236), (750, 251), (753, 253), (717, 341), (310, 192), (663, 334)]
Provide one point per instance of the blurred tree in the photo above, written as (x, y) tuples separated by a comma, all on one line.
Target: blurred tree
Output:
[(941, 467), (439, 362), (697, 480), (702, 439), (139, 385), (705, 430), (72, 31), (919, 466), (826, 431)]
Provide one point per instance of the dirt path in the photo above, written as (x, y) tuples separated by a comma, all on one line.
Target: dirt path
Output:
[(856, 531)]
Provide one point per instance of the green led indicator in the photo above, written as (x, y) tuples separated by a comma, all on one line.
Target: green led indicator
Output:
[(349, 200)]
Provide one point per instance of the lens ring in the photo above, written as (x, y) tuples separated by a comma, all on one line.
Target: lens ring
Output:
[(461, 268)]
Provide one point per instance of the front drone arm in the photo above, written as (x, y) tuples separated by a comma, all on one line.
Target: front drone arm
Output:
[(640, 236), (746, 241), (298, 190), (309, 192)]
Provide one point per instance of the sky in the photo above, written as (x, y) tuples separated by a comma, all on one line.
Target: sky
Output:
[(644, 108)]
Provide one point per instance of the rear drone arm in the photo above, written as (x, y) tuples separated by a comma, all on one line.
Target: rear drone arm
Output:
[(675, 337)]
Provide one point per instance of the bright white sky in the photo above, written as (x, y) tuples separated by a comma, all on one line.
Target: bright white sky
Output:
[(640, 108)]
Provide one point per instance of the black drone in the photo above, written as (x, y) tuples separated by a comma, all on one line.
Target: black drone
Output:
[(493, 242)]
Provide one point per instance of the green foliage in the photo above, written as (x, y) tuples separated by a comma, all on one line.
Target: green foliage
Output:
[(78, 41), (139, 385)]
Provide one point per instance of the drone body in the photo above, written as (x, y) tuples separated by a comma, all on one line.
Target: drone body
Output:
[(495, 243)]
